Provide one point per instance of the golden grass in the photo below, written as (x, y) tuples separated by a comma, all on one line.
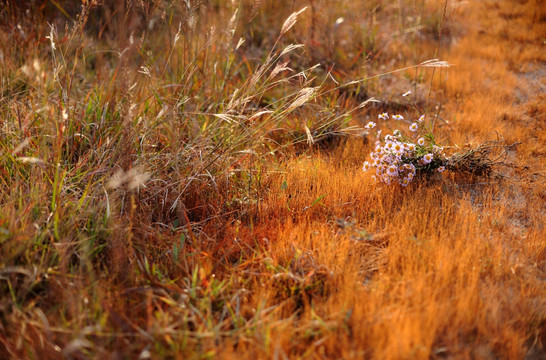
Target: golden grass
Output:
[(265, 252)]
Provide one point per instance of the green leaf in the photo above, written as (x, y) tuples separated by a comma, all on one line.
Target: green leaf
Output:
[(318, 200), (182, 240), (178, 247), (175, 252)]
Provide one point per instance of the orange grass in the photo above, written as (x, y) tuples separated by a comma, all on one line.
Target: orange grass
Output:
[(299, 254)]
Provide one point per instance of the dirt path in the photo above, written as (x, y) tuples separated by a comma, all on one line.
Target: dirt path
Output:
[(499, 87)]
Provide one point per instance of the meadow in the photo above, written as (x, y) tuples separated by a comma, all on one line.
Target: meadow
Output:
[(185, 179)]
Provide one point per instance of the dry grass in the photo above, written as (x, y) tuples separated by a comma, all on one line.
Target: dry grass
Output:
[(172, 191)]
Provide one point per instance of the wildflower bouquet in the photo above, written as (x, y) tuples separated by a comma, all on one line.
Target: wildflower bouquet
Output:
[(397, 157)]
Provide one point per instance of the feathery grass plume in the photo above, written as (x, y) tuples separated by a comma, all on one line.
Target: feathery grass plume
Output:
[(310, 140), (21, 146), (435, 63), (366, 102), (279, 68), (291, 48), (30, 160), (303, 96), (291, 21)]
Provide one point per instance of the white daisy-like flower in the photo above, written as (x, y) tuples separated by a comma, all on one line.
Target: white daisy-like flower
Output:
[(414, 127), (389, 137), (421, 141), (398, 147), (441, 169), (383, 116), (398, 117), (397, 133), (387, 180), (404, 182), (370, 125), (374, 156), (421, 118), (427, 158), (374, 178), (410, 176), (388, 146), (411, 147), (392, 171), (366, 166)]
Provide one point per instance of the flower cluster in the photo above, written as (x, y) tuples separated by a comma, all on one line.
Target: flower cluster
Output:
[(397, 158)]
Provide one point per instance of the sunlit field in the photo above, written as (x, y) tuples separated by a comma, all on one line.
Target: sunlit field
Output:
[(272, 179)]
